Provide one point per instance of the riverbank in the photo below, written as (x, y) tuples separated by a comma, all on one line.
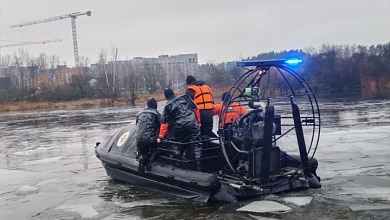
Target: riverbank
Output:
[(91, 103), (81, 104)]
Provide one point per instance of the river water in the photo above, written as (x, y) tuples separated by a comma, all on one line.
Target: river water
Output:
[(48, 169)]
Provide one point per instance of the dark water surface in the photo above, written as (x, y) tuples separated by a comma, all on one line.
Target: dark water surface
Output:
[(48, 169)]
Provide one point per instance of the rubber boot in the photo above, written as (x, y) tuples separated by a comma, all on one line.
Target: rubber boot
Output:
[(176, 155), (141, 165), (198, 155), (177, 158), (151, 160), (153, 156)]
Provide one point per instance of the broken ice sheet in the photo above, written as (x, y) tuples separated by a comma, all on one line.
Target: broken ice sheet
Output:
[(379, 193), (261, 217), (264, 207), (366, 207), (42, 161), (133, 204), (86, 211), (25, 190), (299, 201)]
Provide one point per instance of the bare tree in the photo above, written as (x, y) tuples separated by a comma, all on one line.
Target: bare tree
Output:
[(102, 71), (114, 53), (214, 72), (20, 60), (80, 84), (80, 78), (83, 65), (32, 79), (153, 73), (54, 62), (5, 63), (108, 73), (42, 63), (132, 80)]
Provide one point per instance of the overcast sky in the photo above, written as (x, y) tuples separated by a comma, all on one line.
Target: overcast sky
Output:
[(218, 30)]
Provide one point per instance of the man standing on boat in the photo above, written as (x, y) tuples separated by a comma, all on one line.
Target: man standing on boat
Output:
[(180, 123), (202, 95), (148, 128)]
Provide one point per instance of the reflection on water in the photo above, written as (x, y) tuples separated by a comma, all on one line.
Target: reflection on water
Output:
[(53, 151), (344, 113), (84, 151)]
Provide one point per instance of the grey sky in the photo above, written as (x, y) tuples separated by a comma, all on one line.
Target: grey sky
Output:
[(218, 30)]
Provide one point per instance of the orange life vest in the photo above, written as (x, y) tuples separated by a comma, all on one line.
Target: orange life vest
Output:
[(233, 113), (203, 96)]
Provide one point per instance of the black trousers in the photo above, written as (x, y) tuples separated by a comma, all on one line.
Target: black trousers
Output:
[(190, 134), (206, 122), (146, 147)]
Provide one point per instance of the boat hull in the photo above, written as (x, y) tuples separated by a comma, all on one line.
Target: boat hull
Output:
[(118, 157)]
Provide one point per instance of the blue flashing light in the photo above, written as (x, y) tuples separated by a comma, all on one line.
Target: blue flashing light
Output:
[(259, 63), (293, 61)]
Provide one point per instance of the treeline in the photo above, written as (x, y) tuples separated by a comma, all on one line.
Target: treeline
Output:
[(43, 78), (332, 68)]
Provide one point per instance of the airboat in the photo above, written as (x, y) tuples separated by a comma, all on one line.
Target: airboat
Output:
[(268, 150)]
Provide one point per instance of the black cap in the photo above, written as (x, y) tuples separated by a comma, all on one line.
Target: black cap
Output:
[(152, 103), (190, 79), (169, 93), (225, 97)]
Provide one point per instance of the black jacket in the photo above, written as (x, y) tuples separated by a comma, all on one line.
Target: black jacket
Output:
[(148, 125), (179, 113)]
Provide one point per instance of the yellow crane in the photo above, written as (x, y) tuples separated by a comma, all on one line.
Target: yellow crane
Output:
[(73, 17)]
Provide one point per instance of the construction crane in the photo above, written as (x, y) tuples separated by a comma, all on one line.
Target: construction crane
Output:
[(29, 43), (73, 17)]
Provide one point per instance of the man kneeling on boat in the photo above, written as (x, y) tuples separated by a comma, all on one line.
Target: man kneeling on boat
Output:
[(232, 114), (180, 123), (148, 127)]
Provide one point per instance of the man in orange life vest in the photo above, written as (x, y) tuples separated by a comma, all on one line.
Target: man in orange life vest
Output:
[(233, 113), (203, 97)]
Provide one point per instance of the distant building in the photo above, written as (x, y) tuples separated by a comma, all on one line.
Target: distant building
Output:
[(175, 68), (178, 67), (5, 83)]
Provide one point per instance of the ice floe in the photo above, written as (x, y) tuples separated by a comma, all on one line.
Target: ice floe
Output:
[(142, 203), (25, 190), (30, 152), (299, 201), (42, 161), (379, 193), (261, 217), (86, 211), (366, 207), (264, 206)]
